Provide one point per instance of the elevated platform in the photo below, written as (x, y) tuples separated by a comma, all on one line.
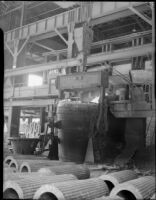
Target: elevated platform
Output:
[(77, 15)]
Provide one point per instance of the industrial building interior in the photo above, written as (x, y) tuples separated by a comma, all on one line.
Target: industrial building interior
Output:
[(79, 100)]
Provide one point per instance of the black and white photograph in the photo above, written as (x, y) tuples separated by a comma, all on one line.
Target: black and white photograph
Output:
[(78, 100)]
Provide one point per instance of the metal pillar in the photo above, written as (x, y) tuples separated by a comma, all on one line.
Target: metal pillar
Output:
[(153, 54), (22, 14), (9, 120), (16, 43), (16, 50), (70, 39)]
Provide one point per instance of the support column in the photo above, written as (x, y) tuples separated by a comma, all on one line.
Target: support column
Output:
[(14, 121), (16, 43), (42, 118), (22, 14), (16, 50), (9, 120), (45, 77), (83, 38), (153, 55), (70, 39)]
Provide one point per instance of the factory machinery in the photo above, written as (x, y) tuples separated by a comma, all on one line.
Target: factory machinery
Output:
[(88, 70), (96, 61)]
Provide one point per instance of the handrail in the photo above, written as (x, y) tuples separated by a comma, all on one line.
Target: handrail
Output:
[(122, 38), (112, 40)]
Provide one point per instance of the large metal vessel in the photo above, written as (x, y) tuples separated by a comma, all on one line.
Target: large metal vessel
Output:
[(74, 133)]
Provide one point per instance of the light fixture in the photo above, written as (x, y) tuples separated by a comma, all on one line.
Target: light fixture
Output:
[(14, 66), (134, 30)]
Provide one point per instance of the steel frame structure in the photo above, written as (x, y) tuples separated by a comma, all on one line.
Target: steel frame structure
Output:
[(95, 13)]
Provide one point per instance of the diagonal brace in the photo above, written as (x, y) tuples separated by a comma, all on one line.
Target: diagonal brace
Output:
[(61, 36), (7, 46), (23, 45), (140, 15), (43, 46)]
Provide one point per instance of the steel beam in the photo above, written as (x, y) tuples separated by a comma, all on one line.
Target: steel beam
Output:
[(10, 11), (42, 67), (116, 15), (140, 15), (44, 29), (153, 56), (55, 52), (139, 23), (47, 35), (103, 19), (59, 34), (43, 46), (23, 45), (7, 47), (33, 102), (119, 54), (92, 59), (122, 38), (22, 14)]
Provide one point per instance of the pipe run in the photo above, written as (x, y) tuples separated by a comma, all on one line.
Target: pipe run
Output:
[(13, 176), (5, 165), (33, 166), (140, 188), (81, 189), (16, 163), (24, 188), (7, 160), (80, 171), (23, 157), (116, 178), (7, 170)]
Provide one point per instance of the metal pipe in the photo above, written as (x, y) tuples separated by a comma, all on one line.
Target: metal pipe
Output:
[(141, 188), (7, 160), (25, 188), (7, 170), (92, 59), (33, 166), (116, 178), (10, 175), (153, 55), (80, 171), (22, 14), (30, 165), (80, 189)]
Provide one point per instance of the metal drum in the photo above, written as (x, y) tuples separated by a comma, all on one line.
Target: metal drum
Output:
[(74, 133)]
